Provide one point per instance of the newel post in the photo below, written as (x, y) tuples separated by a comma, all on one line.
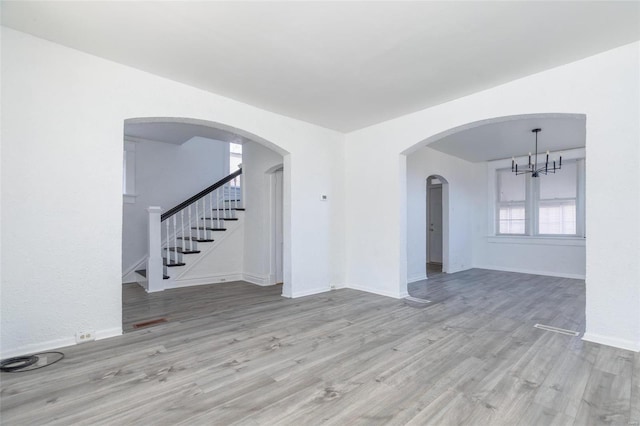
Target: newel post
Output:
[(154, 264)]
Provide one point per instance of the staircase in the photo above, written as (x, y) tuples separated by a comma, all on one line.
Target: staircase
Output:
[(187, 233)]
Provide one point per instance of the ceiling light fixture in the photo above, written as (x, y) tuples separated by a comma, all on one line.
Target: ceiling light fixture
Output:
[(533, 167)]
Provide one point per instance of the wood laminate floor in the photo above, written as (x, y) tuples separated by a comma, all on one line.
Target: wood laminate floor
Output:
[(236, 353)]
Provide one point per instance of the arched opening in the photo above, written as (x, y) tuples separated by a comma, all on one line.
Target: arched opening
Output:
[(472, 156), (169, 161)]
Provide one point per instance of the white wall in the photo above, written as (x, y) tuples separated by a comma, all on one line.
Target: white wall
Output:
[(606, 88), (564, 257), (471, 241), (218, 261), (256, 161), (63, 115), (166, 175), (465, 183)]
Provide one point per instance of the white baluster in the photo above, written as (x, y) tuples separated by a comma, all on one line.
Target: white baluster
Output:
[(235, 190), (197, 221), (210, 211), (190, 231), (218, 207), (182, 229), (166, 241), (227, 202), (175, 241)]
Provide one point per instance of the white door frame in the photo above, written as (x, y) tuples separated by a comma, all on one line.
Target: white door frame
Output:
[(432, 181), (274, 239)]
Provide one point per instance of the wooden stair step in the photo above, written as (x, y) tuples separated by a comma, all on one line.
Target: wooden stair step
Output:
[(170, 263), (222, 218), (199, 240), (208, 229), (183, 251)]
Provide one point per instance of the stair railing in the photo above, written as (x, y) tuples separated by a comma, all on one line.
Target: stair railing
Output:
[(192, 221)]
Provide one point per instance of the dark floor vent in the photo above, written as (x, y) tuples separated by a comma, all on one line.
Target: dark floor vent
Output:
[(149, 323)]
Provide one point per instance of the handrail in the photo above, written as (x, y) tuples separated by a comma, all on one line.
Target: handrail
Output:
[(199, 195)]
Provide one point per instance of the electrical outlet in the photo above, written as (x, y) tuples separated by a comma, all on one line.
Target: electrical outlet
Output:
[(85, 336)]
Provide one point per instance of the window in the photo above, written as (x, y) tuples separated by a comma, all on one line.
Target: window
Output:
[(557, 202), (551, 205), (511, 203), (235, 156)]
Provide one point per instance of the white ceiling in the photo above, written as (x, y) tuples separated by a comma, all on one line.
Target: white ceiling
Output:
[(342, 65), (171, 131), (513, 138)]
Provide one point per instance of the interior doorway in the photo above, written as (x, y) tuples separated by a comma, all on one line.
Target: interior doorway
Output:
[(277, 240), (436, 193)]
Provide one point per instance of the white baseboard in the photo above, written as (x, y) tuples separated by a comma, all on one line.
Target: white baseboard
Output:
[(415, 278), (57, 343), (629, 345), (209, 279), (532, 272), (398, 295), (257, 279), (309, 292)]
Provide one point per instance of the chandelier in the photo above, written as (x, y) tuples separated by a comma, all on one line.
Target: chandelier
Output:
[(533, 167)]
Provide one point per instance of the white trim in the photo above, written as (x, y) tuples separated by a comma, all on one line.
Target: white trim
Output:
[(398, 295), (416, 278), (108, 332), (135, 139), (129, 274), (205, 280), (417, 300), (532, 272), (538, 240), (129, 198), (616, 342), (310, 292), (58, 343), (257, 279)]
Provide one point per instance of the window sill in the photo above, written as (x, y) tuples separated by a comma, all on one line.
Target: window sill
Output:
[(129, 198), (531, 240)]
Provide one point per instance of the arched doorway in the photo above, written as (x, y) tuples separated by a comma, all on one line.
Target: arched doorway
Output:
[(461, 154), (178, 130)]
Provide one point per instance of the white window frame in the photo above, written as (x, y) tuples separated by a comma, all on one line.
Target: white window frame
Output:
[(531, 235)]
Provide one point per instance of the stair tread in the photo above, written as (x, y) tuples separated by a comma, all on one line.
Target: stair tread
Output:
[(200, 240), (143, 272), (215, 218), (183, 250), (169, 263), (209, 229)]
